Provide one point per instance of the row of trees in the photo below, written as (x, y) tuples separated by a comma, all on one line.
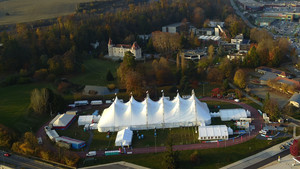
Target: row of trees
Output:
[(266, 50), (61, 47)]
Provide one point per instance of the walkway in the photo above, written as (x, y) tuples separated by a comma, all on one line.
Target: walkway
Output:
[(257, 158), (257, 122), (247, 95)]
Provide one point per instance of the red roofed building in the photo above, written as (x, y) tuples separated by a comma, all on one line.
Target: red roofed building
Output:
[(292, 82), (119, 50)]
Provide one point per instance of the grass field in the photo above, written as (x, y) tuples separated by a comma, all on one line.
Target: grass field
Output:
[(14, 102), (31, 10), (95, 72), (209, 158)]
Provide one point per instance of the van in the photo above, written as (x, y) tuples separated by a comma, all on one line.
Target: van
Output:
[(91, 154)]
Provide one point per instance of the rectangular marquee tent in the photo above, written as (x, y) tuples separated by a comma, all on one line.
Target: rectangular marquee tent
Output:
[(233, 114), (214, 132), (88, 119), (151, 114), (63, 121), (124, 137)]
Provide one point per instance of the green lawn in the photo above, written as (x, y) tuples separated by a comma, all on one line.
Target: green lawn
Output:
[(95, 72), (14, 102), (74, 131), (209, 158)]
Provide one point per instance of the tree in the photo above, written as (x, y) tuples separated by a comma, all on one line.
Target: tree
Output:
[(7, 136), (215, 75), (252, 60), (128, 64), (39, 101), (240, 78), (272, 109), (226, 68), (211, 52), (170, 160), (109, 76)]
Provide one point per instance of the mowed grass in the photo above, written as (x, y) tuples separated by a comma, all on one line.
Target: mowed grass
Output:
[(14, 103), (31, 10), (183, 135), (209, 158), (95, 72)]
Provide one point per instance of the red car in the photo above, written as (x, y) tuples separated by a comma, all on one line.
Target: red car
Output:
[(6, 154)]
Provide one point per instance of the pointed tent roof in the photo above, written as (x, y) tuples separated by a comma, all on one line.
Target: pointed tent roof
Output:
[(154, 114)]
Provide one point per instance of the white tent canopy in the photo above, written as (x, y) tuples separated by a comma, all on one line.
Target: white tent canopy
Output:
[(63, 120), (214, 132), (88, 119), (124, 137), (233, 114), (150, 114)]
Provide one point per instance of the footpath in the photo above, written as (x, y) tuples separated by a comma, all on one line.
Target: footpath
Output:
[(256, 158)]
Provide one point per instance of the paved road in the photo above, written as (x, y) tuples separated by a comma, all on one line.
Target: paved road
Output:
[(21, 162), (269, 160), (238, 12)]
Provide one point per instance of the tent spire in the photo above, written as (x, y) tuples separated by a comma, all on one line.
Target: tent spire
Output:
[(162, 93), (147, 94), (193, 92)]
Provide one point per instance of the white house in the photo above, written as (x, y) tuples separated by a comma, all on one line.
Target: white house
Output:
[(119, 50)]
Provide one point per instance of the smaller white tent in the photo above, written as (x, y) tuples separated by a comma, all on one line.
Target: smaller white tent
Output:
[(63, 121), (213, 132), (124, 137), (52, 134), (88, 119), (232, 114)]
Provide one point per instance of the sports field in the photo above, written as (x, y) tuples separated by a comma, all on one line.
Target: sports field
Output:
[(19, 11)]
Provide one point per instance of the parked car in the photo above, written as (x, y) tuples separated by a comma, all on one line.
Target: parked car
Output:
[(6, 154), (237, 100)]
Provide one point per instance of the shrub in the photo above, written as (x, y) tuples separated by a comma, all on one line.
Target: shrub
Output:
[(111, 86), (195, 157), (40, 74)]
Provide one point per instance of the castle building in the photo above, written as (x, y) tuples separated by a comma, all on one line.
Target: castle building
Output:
[(119, 50)]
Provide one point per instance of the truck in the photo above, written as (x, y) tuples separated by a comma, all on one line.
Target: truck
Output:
[(91, 154)]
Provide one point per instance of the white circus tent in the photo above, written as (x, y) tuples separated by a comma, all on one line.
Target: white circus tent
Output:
[(151, 114)]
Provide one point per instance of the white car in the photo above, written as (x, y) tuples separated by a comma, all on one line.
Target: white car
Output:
[(237, 100)]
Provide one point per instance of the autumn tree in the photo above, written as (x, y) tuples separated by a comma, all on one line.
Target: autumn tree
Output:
[(7, 136), (252, 60), (211, 52), (240, 78), (226, 67), (165, 42), (198, 17), (272, 109), (45, 101), (215, 75), (127, 65), (171, 157), (163, 71)]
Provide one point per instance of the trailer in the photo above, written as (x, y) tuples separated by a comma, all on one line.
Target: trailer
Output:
[(96, 102), (81, 103)]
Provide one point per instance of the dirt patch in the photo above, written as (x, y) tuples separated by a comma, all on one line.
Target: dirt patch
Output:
[(19, 11)]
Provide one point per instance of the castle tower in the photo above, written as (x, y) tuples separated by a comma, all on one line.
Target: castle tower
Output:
[(110, 48)]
